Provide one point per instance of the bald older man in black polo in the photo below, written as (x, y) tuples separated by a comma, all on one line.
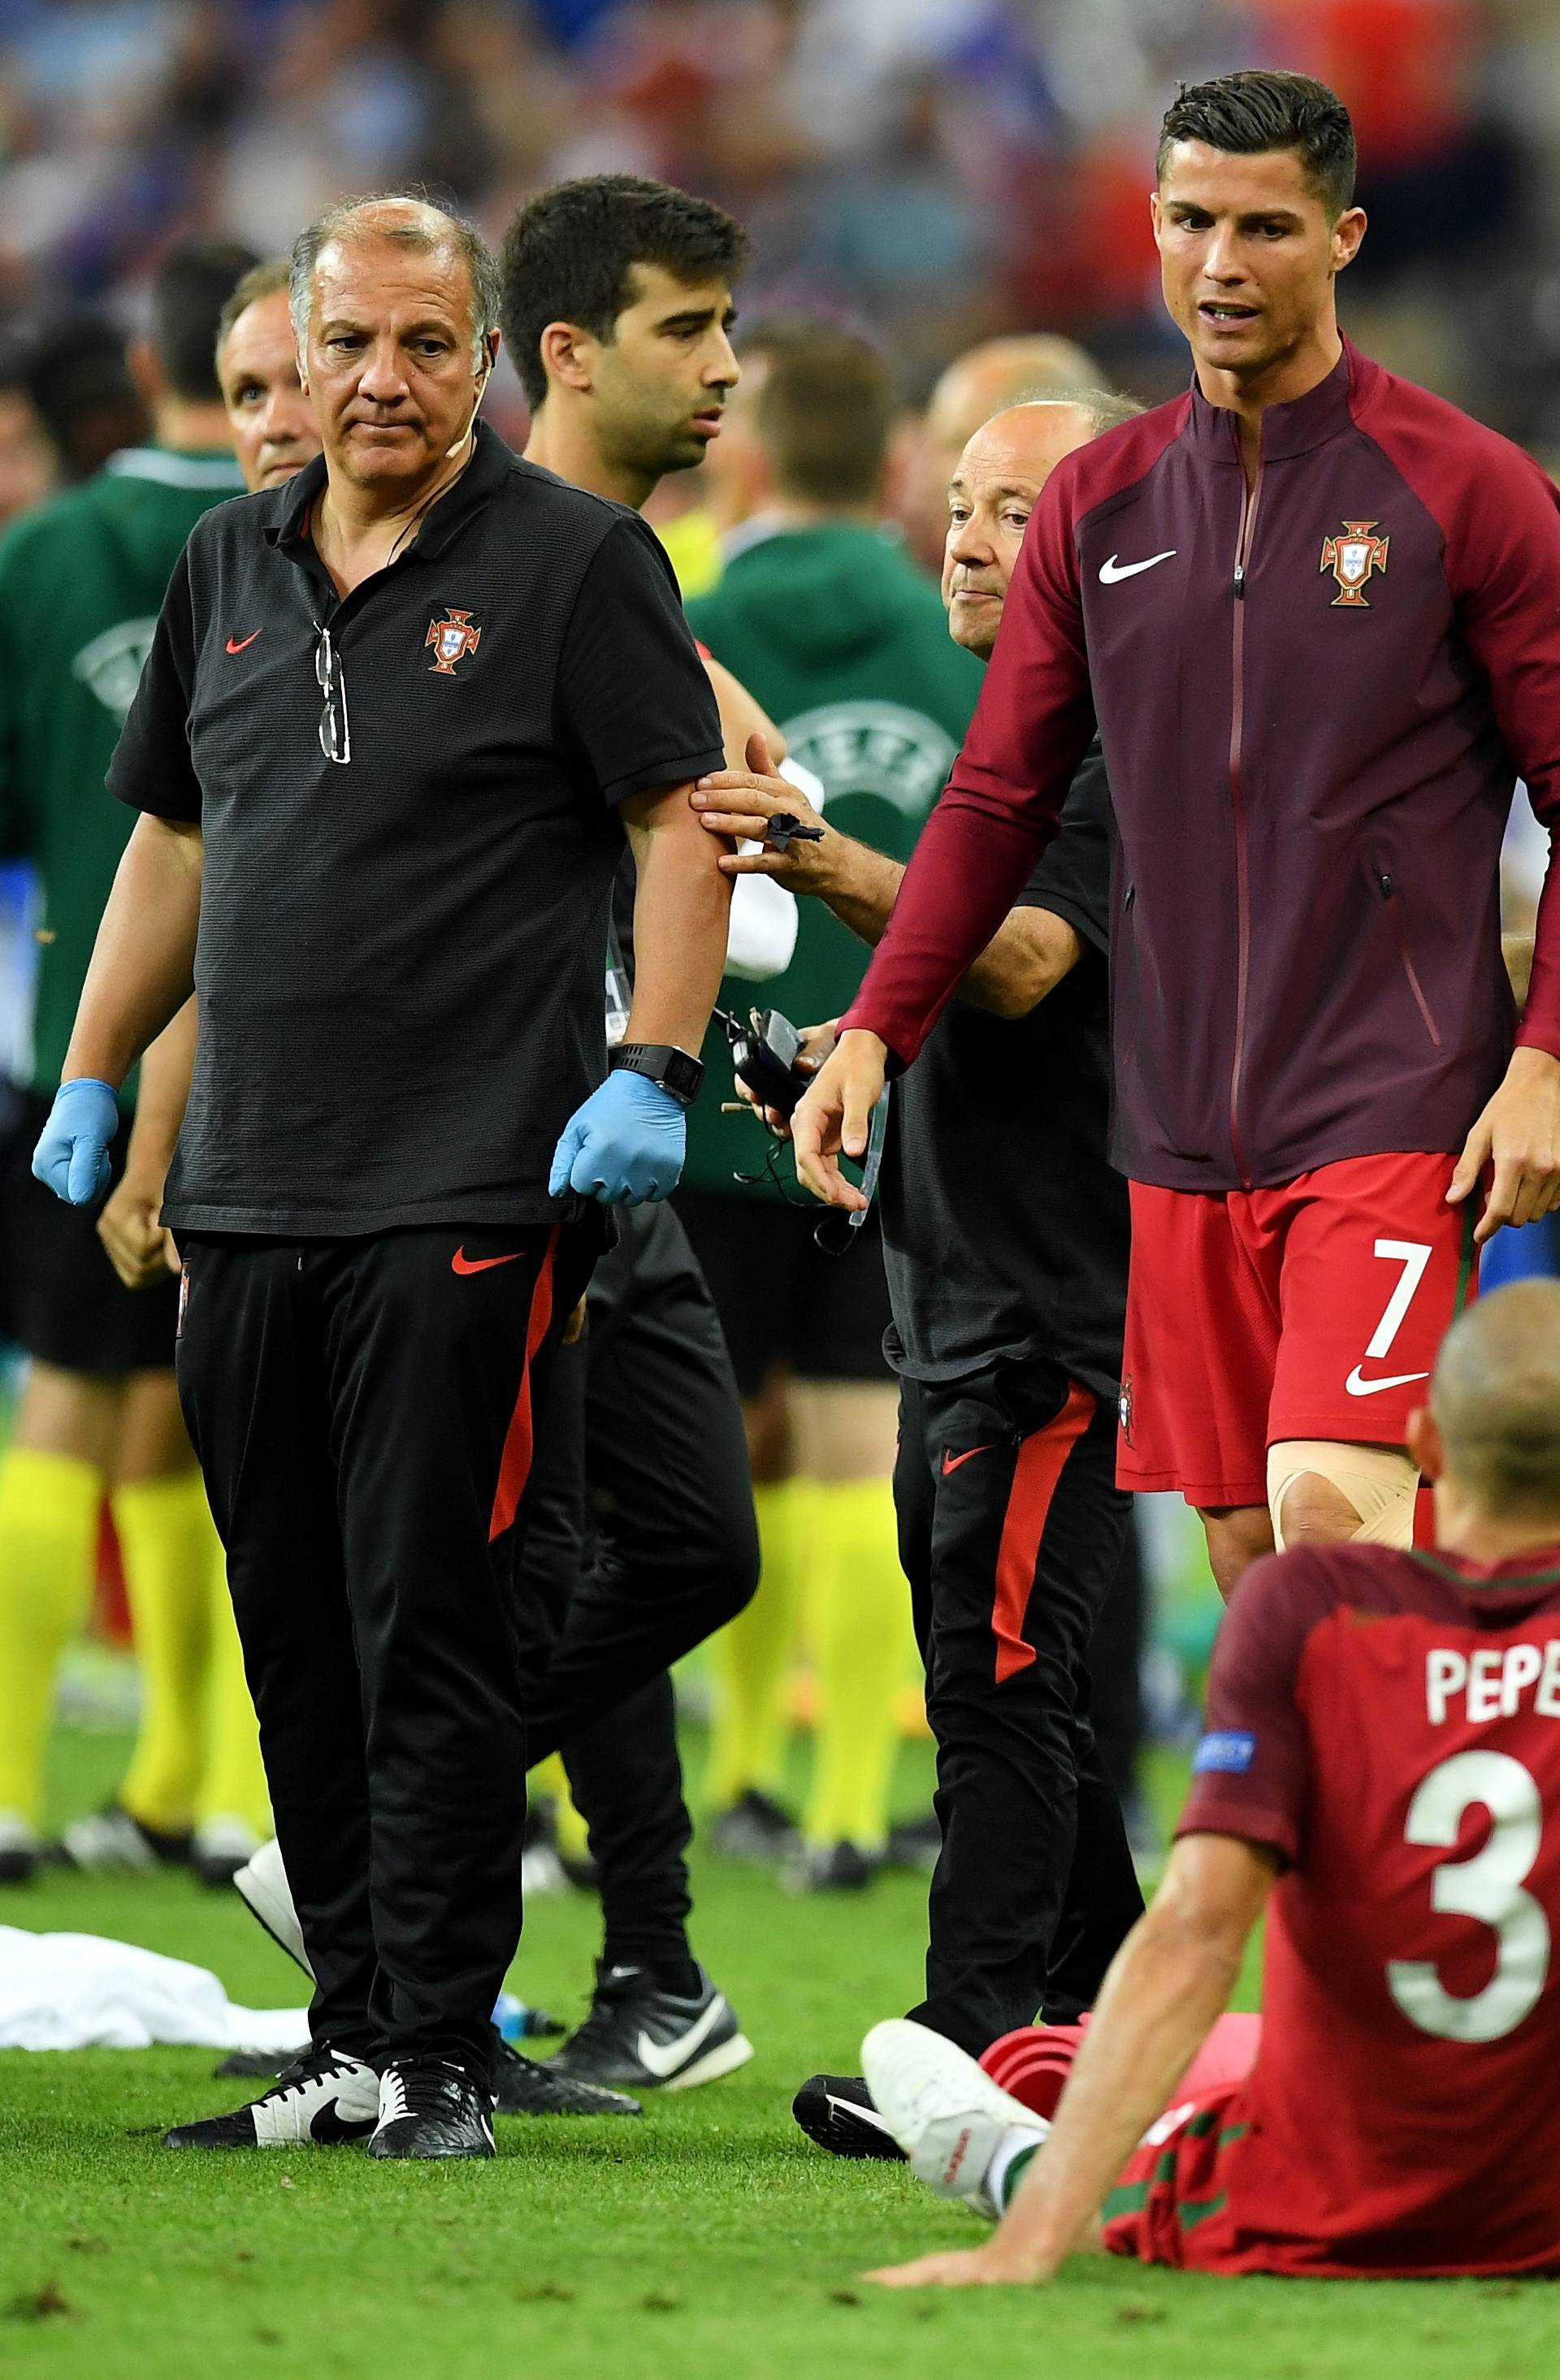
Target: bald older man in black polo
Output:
[(397, 719)]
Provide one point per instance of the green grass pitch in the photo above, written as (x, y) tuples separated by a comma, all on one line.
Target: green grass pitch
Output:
[(709, 2240)]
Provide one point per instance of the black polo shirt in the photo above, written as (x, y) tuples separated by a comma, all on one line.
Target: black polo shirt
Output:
[(1005, 1230), (400, 958)]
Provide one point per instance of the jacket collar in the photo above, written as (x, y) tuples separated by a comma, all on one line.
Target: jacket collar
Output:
[(1323, 413), (489, 466)]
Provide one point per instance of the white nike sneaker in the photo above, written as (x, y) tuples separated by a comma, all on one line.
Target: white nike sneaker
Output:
[(947, 2116), (262, 1884), (324, 2096)]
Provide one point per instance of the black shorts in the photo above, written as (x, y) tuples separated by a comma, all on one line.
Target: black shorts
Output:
[(781, 1298), (65, 1303)]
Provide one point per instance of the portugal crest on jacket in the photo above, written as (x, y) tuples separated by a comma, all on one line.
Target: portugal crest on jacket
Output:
[(1351, 558), (450, 638)]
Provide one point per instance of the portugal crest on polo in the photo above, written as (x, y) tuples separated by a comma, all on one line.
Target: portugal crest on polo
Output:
[(1351, 558), (450, 638)]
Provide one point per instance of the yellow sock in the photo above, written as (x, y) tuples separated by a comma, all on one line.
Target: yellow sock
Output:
[(164, 1532), (49, 1506), (860, 1613), (233, 1778), (550, 1777), (752, 1659)]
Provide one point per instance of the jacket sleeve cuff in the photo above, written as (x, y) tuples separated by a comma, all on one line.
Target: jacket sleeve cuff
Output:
[(1540, 1032), (857, 1019)]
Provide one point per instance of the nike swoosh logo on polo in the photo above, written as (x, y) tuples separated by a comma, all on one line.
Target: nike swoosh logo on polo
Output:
[(952, 1462), (664, 2058), (461, 1262), (243, 644), (1113, 570), (1357, 1387)]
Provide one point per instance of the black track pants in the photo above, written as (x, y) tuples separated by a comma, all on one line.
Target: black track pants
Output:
[(1010, 1528), (675, 1552), (642, 1544), (364, 1411)]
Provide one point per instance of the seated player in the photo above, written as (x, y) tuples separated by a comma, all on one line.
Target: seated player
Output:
[(1382, 1773)]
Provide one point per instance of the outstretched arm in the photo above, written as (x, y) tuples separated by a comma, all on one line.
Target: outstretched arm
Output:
[(1027, 957), (1171, 1978)]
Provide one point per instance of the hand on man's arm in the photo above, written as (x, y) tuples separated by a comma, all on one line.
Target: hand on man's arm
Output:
[(627, 1143), (142, 974), (1169, 1981)]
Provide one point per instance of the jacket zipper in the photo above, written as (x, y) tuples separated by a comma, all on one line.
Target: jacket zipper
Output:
[(1250, 495), (1389, 894)]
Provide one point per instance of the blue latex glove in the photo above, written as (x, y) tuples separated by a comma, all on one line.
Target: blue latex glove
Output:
[(625, 1145), (72, 1152)]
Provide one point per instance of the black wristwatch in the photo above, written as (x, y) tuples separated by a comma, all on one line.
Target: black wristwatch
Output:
[(673, 1069)]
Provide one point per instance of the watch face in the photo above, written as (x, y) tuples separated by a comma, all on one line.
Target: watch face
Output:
[(673, 1069)]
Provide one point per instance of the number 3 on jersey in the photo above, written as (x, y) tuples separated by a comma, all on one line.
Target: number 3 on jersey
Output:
[(1489, 1887)]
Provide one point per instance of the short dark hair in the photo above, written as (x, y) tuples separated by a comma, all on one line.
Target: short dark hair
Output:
[(190, 288), (1262, 108), (76, 373), (569, 252), (824, 415), (268, 279)]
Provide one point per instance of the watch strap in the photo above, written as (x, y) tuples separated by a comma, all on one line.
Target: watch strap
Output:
[(660, 1062)]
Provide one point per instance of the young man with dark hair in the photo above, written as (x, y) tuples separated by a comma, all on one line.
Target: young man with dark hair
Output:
[(1313, 611), (80, 583), (611, 255)]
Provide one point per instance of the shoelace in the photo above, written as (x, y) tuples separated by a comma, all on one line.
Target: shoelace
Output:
[(424, 2089), (315, 2066)]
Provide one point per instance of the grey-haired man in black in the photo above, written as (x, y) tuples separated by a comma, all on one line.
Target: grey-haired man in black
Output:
[(397, 719)]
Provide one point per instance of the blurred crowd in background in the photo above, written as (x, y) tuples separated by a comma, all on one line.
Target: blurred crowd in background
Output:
[(939, 169)]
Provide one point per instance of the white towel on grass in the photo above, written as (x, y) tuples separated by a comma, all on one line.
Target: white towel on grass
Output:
[(82, 1991)]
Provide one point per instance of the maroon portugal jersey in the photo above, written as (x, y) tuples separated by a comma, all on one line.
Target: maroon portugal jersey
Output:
[(1389, 1723)]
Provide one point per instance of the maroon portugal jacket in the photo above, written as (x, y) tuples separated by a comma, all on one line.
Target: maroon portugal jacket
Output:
[(1314, 701)]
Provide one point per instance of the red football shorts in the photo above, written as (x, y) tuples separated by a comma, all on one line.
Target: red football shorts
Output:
[(1032, 2064), (1310, 1311)]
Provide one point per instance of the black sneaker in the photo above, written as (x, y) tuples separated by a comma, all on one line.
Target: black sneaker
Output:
[(652, 2039), (837, 2111), (323, 2098), (524, 2088), (112, 1840), (20, 1850), (219, 1848), (432, 2108), (832, 1867), (756, 1829)]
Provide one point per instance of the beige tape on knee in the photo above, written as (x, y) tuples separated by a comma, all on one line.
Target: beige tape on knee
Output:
[(1380, 1482)]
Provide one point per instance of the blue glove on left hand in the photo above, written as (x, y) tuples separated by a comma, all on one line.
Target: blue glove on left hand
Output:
[(72, 1151), (625, 1145)]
